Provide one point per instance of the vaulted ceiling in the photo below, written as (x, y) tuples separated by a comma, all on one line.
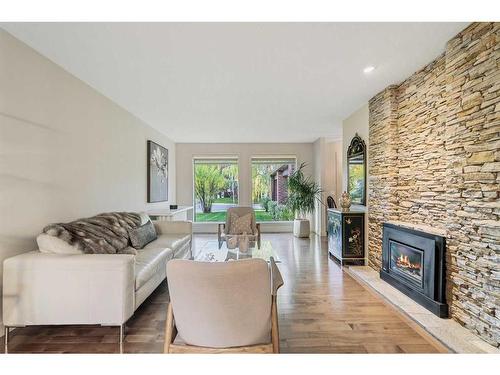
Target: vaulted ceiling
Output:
[(239, 82)]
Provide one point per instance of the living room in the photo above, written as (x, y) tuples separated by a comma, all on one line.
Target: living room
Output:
[(237, 187)]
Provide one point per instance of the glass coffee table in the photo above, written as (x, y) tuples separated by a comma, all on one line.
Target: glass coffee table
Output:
[(210, 252)]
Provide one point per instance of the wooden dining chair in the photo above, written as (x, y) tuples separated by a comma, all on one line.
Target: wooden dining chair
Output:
[(224, 307)]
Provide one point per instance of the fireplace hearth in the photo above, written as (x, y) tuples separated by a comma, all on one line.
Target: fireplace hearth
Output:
[(413, 262)]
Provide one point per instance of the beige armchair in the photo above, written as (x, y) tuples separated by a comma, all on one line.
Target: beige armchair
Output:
[(227, 307), (224, 230)]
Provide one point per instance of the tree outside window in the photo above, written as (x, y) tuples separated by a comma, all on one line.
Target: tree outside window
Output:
[(215, 188)]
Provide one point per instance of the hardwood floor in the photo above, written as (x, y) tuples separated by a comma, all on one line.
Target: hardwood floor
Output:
[(321, 310)]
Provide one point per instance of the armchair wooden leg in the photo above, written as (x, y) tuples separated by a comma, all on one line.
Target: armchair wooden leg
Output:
[(170, 330), (122, 335), (220, 231), (6, 333), (275, 336)]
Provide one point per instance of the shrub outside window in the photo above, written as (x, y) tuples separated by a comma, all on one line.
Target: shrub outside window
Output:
[(270, 187)]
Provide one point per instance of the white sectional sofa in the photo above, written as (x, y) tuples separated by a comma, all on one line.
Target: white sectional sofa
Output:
[(42, 288)]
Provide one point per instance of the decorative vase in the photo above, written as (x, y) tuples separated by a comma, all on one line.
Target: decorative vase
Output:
[(345, 201)]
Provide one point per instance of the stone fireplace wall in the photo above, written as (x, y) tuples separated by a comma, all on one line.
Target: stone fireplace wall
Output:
[(434, 159)]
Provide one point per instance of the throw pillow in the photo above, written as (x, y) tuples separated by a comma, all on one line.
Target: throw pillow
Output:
[(144, 218), (240, 225), (141, 236)]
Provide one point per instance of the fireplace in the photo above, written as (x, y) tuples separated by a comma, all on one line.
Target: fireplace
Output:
[(413, 262)]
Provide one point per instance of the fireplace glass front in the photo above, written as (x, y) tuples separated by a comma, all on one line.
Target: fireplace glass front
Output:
[(407, 261)]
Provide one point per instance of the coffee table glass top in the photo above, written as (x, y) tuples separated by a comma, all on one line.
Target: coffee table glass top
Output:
[(210, 252)]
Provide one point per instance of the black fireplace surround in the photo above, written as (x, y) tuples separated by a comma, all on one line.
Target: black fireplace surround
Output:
[(413, 262)]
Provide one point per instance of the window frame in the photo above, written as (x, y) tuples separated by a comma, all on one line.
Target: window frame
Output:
[(213, 160)]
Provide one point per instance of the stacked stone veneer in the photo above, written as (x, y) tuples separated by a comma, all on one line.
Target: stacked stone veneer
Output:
[(434, 159)]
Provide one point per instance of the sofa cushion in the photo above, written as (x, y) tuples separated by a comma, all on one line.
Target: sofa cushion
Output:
[(149, 262), (171, 241)]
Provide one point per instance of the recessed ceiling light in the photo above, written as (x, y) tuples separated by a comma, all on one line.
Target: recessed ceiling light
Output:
[(369, 69)]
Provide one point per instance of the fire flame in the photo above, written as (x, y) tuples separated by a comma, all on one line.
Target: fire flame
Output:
[(404, 261)]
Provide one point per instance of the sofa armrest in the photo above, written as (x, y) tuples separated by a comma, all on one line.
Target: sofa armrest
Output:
[(44, 289), (173, 227)]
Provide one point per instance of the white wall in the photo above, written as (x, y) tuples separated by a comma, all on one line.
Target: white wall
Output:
[(65, 150), (357, 122), (318, 151), (185, 153), (328, 173), (335, 154)]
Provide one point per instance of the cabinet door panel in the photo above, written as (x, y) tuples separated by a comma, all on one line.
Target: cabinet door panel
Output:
[(353, 236), (334, 234)]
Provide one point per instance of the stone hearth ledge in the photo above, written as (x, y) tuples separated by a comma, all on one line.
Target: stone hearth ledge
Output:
[(451, 334)]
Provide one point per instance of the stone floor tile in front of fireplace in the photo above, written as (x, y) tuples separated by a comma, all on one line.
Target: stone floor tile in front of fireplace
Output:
[(447, 331)]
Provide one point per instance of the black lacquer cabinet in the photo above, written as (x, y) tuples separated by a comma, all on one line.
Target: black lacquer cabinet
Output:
[(346, 235)]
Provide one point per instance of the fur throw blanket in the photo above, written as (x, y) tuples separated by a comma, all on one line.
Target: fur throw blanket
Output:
[(105, 233)]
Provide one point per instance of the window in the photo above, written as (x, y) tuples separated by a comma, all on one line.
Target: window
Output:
[(215, 188), (270, 187)]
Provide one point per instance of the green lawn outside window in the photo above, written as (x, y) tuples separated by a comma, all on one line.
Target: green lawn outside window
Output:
[(260, 215)]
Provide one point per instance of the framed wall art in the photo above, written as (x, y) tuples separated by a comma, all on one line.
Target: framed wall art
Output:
[(157, 173)]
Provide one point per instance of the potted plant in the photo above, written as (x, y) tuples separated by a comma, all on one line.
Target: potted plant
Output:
[(302, 195)]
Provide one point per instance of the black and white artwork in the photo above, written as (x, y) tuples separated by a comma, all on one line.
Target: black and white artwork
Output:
[(157, 173)]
